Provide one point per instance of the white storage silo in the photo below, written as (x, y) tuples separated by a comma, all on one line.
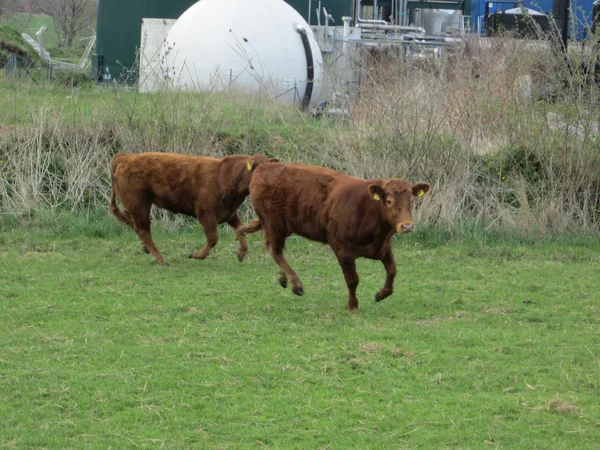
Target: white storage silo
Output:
[(259, 46)]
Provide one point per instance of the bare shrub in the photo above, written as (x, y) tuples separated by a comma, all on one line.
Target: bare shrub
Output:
[(505, 130)]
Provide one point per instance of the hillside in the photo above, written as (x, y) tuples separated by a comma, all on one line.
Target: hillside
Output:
[(12, 43), (31, 23)]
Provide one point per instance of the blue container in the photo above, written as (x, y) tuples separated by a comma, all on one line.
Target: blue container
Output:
[(581, 19)]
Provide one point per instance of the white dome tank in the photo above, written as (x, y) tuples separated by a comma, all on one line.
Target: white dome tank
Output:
[(254, 46)]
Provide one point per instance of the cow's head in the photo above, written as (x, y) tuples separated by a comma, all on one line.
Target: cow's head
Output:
[(256, 160), (396, 197)]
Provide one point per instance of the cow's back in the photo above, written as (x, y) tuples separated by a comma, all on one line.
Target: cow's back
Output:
[(169, 180), (297, 198), (320, 204)]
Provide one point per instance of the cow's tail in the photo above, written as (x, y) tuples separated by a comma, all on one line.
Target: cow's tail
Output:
[(123, 216), (252, 227)]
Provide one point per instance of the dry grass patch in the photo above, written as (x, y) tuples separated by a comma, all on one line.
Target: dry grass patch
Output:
[(371, 347), (399, 352), (558, 405)]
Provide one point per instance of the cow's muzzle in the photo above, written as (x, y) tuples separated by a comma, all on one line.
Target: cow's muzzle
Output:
[(405, 227)]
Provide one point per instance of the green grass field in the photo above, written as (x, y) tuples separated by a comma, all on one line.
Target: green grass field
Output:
[(482, 345)]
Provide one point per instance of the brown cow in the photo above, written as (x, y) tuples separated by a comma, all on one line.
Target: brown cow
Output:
[(357, 218), (208, 189)]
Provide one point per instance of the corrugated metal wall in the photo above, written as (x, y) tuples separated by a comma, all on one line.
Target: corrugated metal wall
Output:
[(119, 26), (337, 8)]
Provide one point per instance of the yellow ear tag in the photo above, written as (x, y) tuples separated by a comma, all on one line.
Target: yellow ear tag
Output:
[(249, 166), (421, 193), (376, 196)]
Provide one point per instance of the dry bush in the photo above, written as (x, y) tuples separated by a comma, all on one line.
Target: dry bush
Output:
[(59, 157), (504, 129)]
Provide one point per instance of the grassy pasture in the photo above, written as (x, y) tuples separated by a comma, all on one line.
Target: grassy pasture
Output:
[(483, 344), (490, 340)]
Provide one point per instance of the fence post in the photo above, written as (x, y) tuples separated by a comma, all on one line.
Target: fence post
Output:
[(11, 66)]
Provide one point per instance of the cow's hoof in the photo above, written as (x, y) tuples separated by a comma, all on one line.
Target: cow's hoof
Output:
[(241, 256), (380, 296), (196, 256), (145, 250), (298, 291), (166, 264), (283, 282)]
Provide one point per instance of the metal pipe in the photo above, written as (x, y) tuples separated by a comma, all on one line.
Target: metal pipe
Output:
[(359, 20), (326, 28), (310, 68), (346, 29), (387, 27), (319, 13), (381, 22), (401, 12)]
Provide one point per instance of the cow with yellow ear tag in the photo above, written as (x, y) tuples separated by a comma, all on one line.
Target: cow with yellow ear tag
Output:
[(356, 217), (209, 189), (397, 195)]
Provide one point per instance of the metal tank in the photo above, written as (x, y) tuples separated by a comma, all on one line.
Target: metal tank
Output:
[(438, 21)]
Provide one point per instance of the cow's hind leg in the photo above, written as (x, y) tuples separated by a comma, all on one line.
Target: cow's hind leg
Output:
[(348, 265), (235, 223), (275, 248), (252, 227), (141, 225), (212, 237), (123, 215), (389, 262)]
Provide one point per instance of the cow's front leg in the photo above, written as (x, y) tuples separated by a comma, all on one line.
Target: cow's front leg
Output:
[(236, 223), (212, 237), (351, 276), (389, 262)]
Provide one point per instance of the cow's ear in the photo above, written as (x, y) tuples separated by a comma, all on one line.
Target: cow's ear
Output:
[(376, 191), (254, 162), (420, 189), (274, 160)]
